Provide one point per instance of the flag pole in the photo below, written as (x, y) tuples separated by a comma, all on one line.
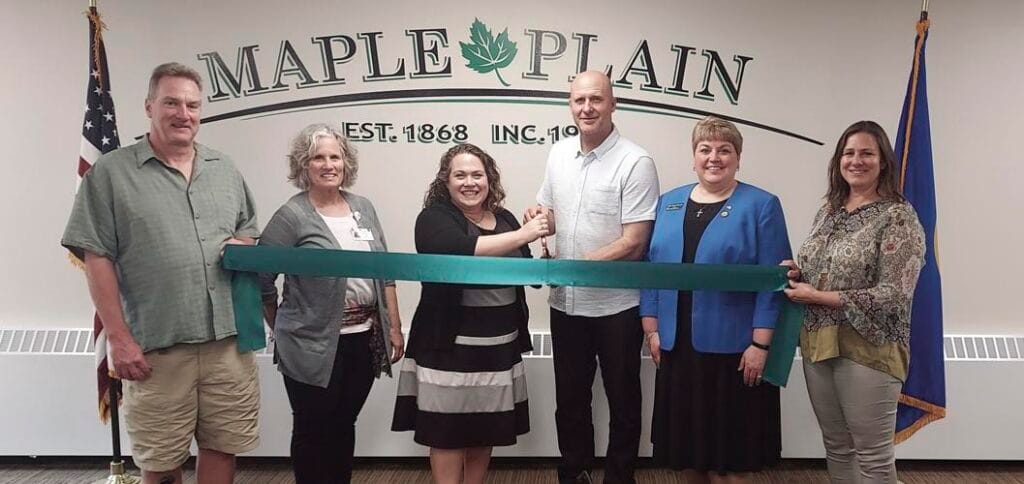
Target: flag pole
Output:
[(923, 396), (117, 473)]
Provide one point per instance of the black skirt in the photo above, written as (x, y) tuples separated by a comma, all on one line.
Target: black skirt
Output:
[(705, 418), (472, 394)]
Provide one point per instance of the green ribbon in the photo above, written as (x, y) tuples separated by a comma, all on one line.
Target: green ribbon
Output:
[(248, 306), (458, 269)]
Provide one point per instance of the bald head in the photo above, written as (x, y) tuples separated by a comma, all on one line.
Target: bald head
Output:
[(592, 80), (592, 104)]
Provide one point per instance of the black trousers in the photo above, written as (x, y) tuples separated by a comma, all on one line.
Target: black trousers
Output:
[(580, 344), (324, 419)]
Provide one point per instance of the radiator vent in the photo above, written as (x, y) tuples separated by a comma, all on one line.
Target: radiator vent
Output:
[(984, 348), (79, 341), (46, 341)]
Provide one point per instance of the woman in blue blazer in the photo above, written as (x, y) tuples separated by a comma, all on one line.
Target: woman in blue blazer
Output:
[(712, 416)]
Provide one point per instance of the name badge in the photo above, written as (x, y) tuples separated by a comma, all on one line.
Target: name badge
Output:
[(361, 234), (673, 206)]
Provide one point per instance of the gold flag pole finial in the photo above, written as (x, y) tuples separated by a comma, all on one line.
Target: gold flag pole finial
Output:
[(94, 17)]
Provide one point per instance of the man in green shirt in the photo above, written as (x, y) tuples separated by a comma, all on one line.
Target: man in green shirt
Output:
[(150, 221)]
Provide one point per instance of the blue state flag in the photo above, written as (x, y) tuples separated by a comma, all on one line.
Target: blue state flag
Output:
[(924, 393)]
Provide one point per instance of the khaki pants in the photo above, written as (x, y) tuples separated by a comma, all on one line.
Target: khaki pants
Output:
[(856, 409), (207, 391)]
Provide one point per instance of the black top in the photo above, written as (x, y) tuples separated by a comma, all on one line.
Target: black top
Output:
[(500, 226), (698, 216), (442, 229), (695, 222)]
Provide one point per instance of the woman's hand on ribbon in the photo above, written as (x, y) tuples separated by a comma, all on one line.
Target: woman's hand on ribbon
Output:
[(793, 273), (801, 292)]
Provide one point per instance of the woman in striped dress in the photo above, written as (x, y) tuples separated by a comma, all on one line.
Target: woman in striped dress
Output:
[(462, 388)]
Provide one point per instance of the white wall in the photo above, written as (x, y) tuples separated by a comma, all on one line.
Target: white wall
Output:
[(43, 419), (817, 67)]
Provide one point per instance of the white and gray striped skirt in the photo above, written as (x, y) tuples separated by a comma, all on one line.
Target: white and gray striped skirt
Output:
[(471, 395)]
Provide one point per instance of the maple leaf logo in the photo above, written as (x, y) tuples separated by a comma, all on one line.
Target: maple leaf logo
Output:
[(485, 53)]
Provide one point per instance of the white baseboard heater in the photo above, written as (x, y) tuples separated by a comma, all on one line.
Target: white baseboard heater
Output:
[(48, 404)]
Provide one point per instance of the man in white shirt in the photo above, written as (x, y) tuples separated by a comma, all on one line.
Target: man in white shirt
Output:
[(601, 190)]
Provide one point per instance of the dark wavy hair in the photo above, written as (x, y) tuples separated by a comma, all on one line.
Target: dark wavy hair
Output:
[(888, 180), (438, 190)]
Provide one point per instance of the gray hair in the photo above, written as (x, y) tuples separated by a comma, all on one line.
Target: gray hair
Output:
[(304, 146), (172, 69)]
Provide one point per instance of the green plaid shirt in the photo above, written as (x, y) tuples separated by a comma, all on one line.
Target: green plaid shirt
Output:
[(165, 237)]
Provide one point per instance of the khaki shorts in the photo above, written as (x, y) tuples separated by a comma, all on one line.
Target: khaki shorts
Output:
[(209, 391)]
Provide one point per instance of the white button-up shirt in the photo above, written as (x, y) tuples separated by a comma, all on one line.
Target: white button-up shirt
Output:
[(593, 194)]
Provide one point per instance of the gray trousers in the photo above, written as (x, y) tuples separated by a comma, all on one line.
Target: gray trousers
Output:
[(856, 410)]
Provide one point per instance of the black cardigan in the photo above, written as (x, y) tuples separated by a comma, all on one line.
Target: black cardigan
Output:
[(442, 229)]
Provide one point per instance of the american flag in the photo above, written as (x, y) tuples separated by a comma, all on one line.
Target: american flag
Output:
[(99, 136)]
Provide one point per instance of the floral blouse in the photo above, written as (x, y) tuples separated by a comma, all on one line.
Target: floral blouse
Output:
[(872, 257)]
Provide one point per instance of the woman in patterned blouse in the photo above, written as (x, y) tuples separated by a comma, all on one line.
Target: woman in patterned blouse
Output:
[(857, 272)]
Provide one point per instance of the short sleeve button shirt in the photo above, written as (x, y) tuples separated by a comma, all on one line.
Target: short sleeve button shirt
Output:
[(593, 194), (165, 235)]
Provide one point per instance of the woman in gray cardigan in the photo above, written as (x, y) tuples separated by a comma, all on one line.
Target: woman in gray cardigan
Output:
[(333, 335)]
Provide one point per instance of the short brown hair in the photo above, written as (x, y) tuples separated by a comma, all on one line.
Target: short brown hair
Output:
[(172, 69), (717, 129)]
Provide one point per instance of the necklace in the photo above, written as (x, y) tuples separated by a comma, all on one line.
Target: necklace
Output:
[(700, 210), (476, 221), (702, 206)]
